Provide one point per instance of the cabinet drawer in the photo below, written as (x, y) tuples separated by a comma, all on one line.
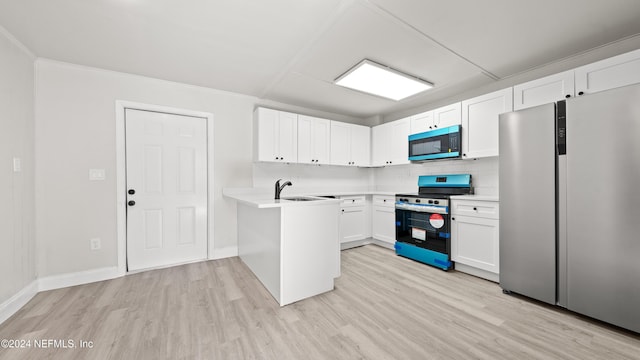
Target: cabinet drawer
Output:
[(384, 200), (359, 200), (476, 208)]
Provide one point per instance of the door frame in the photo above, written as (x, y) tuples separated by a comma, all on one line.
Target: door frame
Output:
[(121, 172)]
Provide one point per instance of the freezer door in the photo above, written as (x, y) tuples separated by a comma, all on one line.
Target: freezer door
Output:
[(603, 206), (527, 178)]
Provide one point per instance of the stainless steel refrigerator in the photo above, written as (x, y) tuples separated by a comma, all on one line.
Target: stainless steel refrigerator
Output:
[(569, 184)]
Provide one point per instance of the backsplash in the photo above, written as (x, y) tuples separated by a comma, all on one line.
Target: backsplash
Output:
[(484, 173), (400, 178), (313, 176)]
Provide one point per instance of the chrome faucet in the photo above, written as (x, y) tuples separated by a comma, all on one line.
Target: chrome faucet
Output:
[(279, 188)]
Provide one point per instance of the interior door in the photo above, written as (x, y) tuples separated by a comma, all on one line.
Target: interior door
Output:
[(166, 156)]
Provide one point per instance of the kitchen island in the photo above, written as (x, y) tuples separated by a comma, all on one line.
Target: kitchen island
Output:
[(292, 245)]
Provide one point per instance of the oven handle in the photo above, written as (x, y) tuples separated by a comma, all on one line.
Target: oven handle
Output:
[(424, 208)]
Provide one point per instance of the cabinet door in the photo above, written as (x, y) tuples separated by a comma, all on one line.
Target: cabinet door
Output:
[(266, 134), (321, 140), (422, 122), (543, 91), (607, 74), (379, 142), (447, 116), (305, 139), (287, 140), (475, 242), (352, 224), (398, 148), (384, 224), (360, 145), (340, 143), (480, 123), (313, 140)]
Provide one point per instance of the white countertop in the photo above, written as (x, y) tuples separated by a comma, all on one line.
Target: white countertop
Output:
[(263, 198), (476, 197)]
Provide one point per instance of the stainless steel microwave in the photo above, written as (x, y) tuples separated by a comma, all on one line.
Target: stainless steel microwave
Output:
[(435, 144)]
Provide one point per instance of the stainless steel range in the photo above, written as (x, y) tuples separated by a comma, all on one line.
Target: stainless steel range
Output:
[(423, 220)]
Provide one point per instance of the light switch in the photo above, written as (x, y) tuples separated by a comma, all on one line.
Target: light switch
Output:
[(96, 174), (17, 165)]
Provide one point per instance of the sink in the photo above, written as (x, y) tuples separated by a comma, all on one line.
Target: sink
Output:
[(300, 198)]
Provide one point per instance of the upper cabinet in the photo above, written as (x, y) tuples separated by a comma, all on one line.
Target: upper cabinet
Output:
[(480, 123), (603, 75), (276, 134), (543, 91), (434, 119), (447, 116), (314, 140), (390, 143), (350, 144), (607, 74)]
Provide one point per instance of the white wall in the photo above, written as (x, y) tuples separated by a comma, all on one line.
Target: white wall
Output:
[(75, 131), (313, 177), (17, 240)]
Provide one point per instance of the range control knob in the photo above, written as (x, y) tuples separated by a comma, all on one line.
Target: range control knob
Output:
[(417, 200), (436, 202), (430, 201)]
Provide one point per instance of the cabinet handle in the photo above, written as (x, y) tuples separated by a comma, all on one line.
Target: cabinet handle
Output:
[(475, 209), (453, 218), (385, 200), (464, 154), (581, 93), (567, 96), (342, 210)]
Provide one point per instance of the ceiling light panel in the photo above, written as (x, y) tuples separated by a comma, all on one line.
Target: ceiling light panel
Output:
[(373, 78)]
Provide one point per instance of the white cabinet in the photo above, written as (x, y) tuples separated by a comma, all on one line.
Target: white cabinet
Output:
[(314, 140), (543, 91), (276, 134), (383, 218), (441, 117), (390, 144), (480, 123), (475, 237), (447, 116), (350, 144), (421, 122), (607, 74), (353, 218)]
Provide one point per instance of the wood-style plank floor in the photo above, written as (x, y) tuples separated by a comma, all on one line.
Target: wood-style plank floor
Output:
[(383, 307)]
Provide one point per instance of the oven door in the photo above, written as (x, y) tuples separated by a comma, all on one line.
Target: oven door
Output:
[(427, 230)]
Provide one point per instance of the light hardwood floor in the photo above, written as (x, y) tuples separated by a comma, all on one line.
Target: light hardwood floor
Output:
[(383, 307)]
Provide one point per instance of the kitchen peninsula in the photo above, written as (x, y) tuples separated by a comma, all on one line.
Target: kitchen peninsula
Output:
[(292, 244)]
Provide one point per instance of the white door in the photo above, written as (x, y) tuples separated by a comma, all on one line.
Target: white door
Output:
[(166, 157)]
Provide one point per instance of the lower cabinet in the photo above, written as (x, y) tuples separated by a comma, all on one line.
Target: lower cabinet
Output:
[(475, 237), (354, 215), (383, 219)]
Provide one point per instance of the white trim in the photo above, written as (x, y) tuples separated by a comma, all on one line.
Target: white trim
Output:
[(17, 42), (17, 301), (121, 183), (78, 278), (227, 252)]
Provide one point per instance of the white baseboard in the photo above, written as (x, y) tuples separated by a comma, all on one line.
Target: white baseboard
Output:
[(17, 301), (477, 272), (227, 252), (77, 278)]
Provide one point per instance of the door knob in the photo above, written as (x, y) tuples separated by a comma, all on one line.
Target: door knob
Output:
[(131, 203), (131, 191)]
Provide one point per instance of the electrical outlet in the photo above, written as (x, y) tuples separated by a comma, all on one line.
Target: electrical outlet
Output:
[(95, 244)]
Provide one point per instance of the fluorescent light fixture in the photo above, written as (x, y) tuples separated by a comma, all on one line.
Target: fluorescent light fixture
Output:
[(373, 78)]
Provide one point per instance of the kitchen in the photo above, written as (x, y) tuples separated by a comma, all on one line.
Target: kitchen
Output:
[(62, 210)]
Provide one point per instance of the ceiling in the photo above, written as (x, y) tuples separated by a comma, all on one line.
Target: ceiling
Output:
[(290, 51)]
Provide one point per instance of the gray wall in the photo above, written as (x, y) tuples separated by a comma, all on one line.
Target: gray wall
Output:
[(17, 240)]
